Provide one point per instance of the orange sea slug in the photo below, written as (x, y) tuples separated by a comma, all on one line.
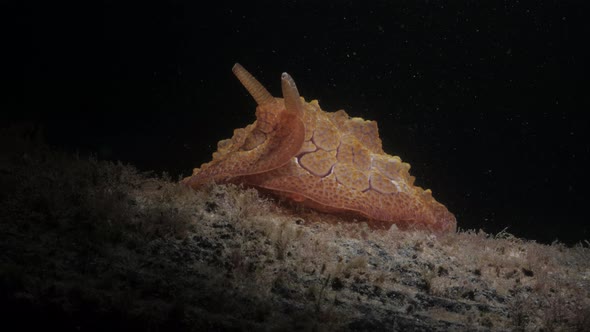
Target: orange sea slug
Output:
[(328, 161)]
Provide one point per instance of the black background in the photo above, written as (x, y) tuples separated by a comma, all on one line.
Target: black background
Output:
[(487, 101)]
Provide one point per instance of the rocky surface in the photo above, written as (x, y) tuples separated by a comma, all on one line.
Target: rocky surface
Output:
[(93, 245)]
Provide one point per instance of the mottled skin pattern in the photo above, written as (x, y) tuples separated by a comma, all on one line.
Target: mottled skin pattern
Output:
[(328, 161)]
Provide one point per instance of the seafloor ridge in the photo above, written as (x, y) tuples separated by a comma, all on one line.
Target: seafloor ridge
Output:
[(95, 245)]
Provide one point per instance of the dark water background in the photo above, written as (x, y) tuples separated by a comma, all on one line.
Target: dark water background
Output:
[(488, 101)]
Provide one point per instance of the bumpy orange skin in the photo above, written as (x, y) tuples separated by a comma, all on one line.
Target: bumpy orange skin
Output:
[(327, 161)]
